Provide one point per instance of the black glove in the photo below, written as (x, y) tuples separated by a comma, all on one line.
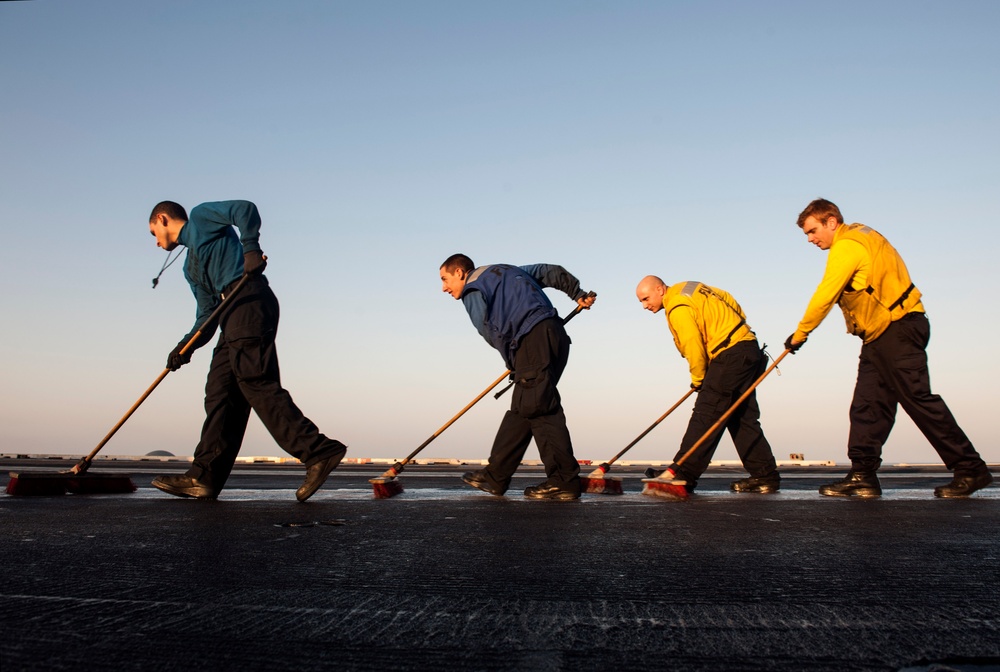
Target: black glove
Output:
[(696, 388), (793, 348), (254, 262), (176, 360)]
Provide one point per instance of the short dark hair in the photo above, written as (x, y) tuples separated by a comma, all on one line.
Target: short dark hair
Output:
[(170, 209), (822, 210), (456, 261)]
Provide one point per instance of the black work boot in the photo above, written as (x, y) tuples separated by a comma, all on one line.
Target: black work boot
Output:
[(856, 484), (482, 480), (548, 490), (963, 486), (317, 473), (760, 484)]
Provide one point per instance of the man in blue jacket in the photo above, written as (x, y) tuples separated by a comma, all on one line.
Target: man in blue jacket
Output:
[(244, 372), (510, 310)]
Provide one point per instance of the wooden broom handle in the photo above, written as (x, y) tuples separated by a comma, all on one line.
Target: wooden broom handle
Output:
[(398, 467), (650, 428), (84, 464), (732, 409)]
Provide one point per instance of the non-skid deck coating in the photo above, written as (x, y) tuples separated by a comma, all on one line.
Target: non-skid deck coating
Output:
[(446, 576)]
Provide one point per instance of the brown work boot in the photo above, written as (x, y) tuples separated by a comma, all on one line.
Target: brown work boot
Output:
[(861, 484)]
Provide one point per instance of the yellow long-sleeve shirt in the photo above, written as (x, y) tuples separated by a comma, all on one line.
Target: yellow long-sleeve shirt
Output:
[(849, 269), (704, 322)]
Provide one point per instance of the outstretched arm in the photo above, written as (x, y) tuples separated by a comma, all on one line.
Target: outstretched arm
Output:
[(843, 262), (241, 214), (557, 277)]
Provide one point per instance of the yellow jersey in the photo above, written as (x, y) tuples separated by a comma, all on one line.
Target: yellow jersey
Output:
[(704, 322), (867, 278)]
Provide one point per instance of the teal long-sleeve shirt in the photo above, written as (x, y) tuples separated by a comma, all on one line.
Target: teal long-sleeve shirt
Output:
[(215, 252)]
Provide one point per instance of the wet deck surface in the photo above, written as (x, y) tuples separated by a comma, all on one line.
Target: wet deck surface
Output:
[(445, 576)]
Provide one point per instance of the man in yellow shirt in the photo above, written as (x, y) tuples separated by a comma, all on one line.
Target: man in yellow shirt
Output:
[(868, 279), (712, 334)]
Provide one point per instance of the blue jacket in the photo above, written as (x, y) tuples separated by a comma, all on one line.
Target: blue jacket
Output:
[(505, 302), (215, 253)]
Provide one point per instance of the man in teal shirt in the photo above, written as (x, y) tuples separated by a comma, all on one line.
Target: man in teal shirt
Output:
[(244, 373)]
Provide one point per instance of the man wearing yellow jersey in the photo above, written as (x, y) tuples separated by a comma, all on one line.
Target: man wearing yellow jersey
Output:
[(712, 334), (868, 279)]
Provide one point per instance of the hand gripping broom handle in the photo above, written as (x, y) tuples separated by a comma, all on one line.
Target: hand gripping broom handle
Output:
[(84, 464), (395, 469), (732, 409), (605, 467)]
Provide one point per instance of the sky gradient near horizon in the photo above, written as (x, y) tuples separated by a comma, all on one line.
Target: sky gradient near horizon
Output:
[(618, 139)]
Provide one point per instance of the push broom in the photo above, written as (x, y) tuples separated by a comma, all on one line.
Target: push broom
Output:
[(665, 485), (76, 480), (387, 485), (594, 482)]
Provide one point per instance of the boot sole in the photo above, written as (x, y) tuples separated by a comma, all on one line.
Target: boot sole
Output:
[(192, 493), (955, 495), (861, 493), (478, 485)]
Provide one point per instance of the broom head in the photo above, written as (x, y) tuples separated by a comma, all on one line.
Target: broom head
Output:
[(384, 488), (100, 484), (602, 486), (667, 488), (602, 469), (41, 483)]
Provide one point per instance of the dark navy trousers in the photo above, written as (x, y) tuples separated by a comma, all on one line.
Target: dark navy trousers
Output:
[(536, 411), (893, 372), (244, 375), (729, 375)]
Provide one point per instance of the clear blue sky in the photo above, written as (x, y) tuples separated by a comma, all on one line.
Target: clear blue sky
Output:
[(615, 138)]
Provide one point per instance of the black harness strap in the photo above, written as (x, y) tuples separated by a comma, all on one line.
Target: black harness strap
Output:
[(902, 298), (729, 338)]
